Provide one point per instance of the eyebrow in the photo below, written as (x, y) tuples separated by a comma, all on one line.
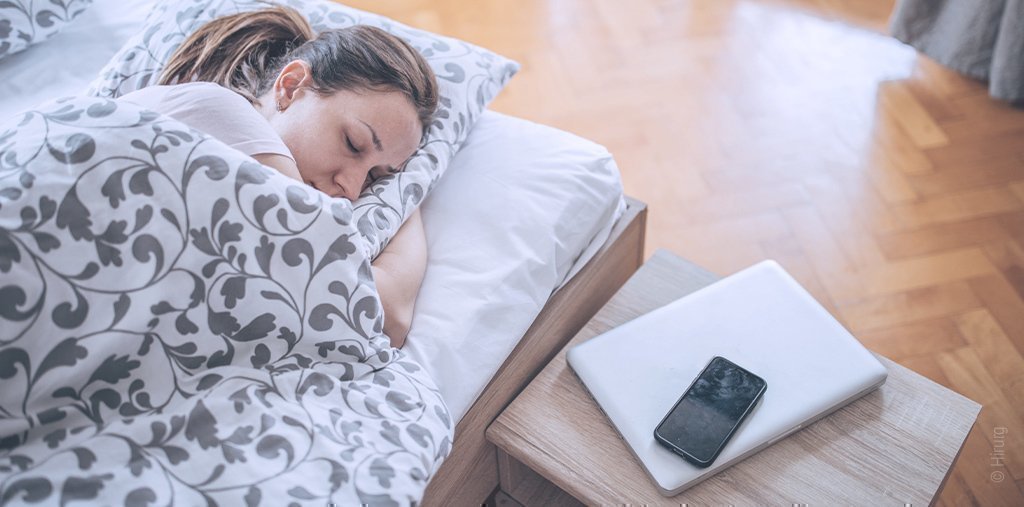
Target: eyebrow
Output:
[(373, 133)]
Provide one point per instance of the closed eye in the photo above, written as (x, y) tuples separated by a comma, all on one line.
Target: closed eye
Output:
[(351, 146)]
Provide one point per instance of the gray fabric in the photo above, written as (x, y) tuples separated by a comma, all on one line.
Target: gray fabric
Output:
[(23, 24), (983, 39), (180, 325)]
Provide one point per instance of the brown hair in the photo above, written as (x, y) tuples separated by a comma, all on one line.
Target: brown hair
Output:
[(245, 52)]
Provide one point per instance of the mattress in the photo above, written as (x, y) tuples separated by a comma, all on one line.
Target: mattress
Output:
[(522, 208)]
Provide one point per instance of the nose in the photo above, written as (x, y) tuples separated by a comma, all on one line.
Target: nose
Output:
[(350, 183)]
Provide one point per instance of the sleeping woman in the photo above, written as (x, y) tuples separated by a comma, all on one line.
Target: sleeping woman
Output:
[(335, 111)]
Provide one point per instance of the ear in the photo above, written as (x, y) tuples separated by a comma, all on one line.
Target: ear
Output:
[(293, 79)]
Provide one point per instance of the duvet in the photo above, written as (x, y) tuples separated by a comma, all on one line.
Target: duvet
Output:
[(181, 325)]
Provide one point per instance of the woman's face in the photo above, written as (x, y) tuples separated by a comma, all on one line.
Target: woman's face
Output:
[(344, 140)]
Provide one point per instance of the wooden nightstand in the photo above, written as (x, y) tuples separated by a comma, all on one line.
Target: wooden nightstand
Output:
[(894, 446)]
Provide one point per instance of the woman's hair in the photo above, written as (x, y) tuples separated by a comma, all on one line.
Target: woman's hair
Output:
[(245, 52)]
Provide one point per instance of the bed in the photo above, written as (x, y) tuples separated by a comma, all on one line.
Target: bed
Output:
[(552, 289)]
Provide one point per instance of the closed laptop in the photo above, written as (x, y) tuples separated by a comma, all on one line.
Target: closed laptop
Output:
[(759, 318)]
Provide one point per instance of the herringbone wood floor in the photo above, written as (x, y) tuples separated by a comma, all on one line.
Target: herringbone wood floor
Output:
[(892, 188)]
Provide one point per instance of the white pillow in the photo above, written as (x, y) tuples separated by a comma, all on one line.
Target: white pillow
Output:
[(469, 78), (26, 22), (521, 204)]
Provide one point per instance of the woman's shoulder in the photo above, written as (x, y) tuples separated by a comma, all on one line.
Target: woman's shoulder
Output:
[(217, 111), (205, 94), (213, 108), (197, 96)]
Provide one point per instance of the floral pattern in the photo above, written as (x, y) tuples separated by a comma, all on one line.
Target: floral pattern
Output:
[(181, 325), (23, 23), (469, 78)]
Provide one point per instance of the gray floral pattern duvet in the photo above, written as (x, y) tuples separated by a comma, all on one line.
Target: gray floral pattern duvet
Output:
[(180, 325)]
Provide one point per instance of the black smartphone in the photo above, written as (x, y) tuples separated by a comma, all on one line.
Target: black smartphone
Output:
[(706, 416)]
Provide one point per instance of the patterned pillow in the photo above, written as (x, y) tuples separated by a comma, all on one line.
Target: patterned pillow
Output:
[(26, 22), (469, 77)]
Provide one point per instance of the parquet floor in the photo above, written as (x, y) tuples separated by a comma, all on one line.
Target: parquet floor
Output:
[(892, 188)]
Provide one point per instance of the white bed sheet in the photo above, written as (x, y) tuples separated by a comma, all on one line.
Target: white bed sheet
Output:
[(522, 207), (521, 210), (68, 62)]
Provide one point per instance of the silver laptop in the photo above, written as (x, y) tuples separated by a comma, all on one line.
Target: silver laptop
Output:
[(759, 318)]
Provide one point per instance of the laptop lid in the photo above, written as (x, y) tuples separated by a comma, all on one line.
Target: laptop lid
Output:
[(759, 318)]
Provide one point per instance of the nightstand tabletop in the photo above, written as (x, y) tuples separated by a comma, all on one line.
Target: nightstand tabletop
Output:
[(895, 445)]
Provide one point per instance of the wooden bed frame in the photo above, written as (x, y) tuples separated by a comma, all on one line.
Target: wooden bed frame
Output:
[(470, 474)]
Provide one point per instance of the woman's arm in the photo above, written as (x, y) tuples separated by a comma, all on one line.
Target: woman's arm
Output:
[(398, 271)]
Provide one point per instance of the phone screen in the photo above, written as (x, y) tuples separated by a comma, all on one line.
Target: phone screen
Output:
[(703, 420)]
